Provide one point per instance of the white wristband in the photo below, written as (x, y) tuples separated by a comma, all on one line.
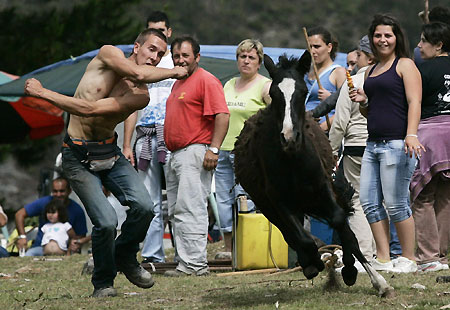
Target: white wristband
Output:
[(22, 236), (411, 135)]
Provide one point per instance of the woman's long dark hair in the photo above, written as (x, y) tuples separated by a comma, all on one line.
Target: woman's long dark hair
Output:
[(401, 46)]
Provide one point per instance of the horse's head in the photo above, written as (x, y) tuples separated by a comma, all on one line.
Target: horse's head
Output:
[(288, 93)]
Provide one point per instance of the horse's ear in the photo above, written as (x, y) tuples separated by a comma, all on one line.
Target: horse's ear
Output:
[(304, 63), (270, 66)]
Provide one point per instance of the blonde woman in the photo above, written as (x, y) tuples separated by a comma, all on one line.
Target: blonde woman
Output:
[(245, 95)]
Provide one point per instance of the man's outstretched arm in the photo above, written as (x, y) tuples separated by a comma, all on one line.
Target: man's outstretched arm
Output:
[(114, 59), (133, 99)]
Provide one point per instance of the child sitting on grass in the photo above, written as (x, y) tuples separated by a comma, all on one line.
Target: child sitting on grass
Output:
[(58, 231)]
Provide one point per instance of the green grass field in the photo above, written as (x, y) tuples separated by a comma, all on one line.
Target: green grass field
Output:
[(57, 283)]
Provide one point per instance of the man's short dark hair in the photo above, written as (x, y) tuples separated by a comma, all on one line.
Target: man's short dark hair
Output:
[(143, 36), (439, 14), (437, 32), (178, 41), (62, 179), (158, 16)]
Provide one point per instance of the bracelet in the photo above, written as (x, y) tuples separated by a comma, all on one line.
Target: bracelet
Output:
[(412, 135), (22, 237), (364, 104)]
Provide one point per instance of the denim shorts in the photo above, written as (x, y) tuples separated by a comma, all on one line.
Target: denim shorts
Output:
[(386, 172)]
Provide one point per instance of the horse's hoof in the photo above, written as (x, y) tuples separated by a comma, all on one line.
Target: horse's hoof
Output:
[(389, 293), (349, 274), (310, 272)]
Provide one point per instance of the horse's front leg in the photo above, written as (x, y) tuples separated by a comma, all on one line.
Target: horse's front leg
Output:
[(302, 242)]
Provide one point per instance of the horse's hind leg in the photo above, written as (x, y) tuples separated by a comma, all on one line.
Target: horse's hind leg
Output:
[(349, 273)]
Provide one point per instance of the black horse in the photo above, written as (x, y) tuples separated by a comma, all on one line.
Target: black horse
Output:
[(284, 161)]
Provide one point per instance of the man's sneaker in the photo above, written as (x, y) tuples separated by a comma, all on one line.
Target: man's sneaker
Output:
[(431, 266), (108, 291), (176, 273), (405, 265), (223, 256), (203, 272), (148, 260), (379, 266), (137, 275)]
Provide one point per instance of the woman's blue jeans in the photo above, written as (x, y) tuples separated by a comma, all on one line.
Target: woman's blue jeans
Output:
[(227, 190), (385, 174)]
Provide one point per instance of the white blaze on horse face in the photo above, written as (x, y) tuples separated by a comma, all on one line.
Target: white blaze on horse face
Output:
[(287, 87)]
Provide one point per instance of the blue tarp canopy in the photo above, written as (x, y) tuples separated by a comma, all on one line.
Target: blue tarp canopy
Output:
[(64, 76)]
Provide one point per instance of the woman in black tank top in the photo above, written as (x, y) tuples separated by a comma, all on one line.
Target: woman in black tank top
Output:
[(393, 91), (430, 184)]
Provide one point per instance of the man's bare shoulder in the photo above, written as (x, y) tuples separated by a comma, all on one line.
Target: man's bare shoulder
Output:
[(105, 53), (109, 51)]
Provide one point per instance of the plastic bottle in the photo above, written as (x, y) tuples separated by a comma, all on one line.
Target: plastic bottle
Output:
[(243, 203)]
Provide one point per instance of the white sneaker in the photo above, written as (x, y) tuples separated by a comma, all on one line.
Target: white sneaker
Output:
[(223, 256), (359, 267), (432, 266), (405, 265), (379, 266)]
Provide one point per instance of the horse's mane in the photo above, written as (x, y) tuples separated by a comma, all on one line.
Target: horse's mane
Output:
[(285, 62)]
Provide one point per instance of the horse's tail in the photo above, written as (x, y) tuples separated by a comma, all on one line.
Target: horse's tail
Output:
[(343, 190)]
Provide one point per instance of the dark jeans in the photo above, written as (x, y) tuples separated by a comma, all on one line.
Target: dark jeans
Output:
[(123, 181), (3, 252)]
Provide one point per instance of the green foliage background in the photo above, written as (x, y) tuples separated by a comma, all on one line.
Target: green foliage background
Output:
[(39, 32)]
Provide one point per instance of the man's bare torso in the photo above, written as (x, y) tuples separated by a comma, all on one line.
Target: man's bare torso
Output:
[(98, 82)]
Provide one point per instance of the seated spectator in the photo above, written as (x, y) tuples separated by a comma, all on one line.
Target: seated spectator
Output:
[(3, 222), (58, 230), (60, 191)]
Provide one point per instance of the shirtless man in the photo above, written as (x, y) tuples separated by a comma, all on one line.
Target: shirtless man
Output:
[(111, 89)]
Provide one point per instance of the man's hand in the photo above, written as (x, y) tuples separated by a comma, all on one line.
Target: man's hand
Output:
[(210, 160), (128, 153), (179, 72), (33, 87), (22, 243), (74, 245)]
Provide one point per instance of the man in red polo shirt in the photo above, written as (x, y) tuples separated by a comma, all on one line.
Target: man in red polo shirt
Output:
[(195, 126)]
